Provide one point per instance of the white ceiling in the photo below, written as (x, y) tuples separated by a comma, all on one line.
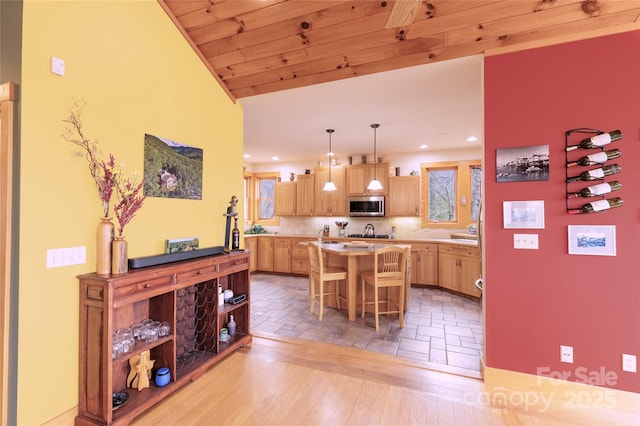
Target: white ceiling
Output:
[(438, 104)]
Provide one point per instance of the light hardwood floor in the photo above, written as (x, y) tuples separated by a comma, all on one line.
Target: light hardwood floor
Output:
[(287, 381)]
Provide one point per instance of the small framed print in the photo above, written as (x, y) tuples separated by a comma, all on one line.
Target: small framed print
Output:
[(593, 240), (523, 214)]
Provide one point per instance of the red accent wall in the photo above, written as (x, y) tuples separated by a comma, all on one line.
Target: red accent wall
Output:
[(537, 300)]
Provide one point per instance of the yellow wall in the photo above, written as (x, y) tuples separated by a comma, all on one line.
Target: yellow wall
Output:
[(138, 75)]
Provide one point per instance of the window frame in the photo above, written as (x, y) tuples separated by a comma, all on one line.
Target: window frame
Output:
[(252, 184), (463, 185)]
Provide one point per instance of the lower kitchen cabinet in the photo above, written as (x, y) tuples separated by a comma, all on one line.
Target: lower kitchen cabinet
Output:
[(424, 264), (282, 255), (458, 268), (265, 254), (251, 245), (299, 256)]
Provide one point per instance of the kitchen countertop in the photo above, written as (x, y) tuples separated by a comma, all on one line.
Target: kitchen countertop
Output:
[(456, 241)]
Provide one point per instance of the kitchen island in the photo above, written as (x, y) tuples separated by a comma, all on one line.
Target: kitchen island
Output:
[(357, 259)]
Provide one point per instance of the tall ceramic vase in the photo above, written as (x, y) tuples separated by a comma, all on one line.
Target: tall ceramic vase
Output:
[(120, 260), (104, 236)]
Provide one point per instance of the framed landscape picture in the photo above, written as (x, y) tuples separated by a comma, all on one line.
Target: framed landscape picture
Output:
[(172, 169), (594, 240), (523, 214)]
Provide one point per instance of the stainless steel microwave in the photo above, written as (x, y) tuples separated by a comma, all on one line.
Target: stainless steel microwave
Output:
[(366, 206)]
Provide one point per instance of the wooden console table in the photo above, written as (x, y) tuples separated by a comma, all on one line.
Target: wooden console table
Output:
[(184, 294)]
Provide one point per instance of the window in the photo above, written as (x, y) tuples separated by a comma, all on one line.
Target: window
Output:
[(452, 193), (259, 195)]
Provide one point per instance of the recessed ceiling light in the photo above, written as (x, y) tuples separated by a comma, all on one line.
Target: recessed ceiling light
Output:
[(246, 156), (472, 139), (423, 146), (275, 158)]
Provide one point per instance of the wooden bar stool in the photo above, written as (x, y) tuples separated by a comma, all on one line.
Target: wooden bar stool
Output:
[(318, 275), (389, 270)]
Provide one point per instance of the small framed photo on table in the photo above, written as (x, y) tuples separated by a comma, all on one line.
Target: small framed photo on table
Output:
[(523, 214), (593, 240)]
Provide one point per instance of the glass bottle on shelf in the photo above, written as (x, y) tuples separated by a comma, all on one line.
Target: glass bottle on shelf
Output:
[(231, 325)]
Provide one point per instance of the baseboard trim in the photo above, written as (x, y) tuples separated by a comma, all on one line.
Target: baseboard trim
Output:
[(65, 419), (570, 395)]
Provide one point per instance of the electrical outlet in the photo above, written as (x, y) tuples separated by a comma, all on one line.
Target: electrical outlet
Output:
[(566, 354), (629, 363)]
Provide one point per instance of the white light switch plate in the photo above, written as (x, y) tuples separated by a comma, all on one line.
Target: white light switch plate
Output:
[(66, 256), (57, 66), (525, 241)]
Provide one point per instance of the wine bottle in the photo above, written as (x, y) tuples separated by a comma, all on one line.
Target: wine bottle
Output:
[(598, 140), (594, 190), (235, 236), (598, 173), (598, 206), (597, 158)]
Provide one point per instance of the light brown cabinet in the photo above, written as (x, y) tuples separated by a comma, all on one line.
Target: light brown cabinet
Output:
[(359, 176), (281, 255), (265, 254), (458, 268), (285, 199), (251, 245), (299, 256), (330, 203), (404, 196), (305, 188), (424, 264), (180, 294)]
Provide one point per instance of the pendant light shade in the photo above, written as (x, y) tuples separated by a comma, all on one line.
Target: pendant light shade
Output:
[(330, 186), (375, 184)]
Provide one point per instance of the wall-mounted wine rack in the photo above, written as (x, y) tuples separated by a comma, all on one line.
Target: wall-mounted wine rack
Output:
[(579, 157)]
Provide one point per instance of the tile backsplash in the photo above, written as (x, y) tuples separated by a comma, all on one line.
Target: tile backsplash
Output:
[(407, 228)]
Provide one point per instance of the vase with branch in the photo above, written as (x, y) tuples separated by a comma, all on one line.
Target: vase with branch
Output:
[(109, 180), (129, 201), (103, 174)]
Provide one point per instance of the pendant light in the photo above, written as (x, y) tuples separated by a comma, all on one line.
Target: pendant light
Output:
[(330, 186), (375, 184)]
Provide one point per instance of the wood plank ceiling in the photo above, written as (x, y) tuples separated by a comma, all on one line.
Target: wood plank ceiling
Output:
[(261, 46)]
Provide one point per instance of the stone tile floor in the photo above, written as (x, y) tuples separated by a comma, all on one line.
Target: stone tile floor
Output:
[(442, 330)]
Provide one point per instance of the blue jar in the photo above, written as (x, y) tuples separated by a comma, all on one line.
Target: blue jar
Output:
[(163, 377)]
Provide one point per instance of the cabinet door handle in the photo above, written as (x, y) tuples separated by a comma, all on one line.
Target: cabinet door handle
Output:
[(146, 285), (199, 273)]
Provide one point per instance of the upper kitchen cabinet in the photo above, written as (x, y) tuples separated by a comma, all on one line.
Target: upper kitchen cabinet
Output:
[(285, 203), (359, 176), (305, 195), (404, 196), (330, 203)]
